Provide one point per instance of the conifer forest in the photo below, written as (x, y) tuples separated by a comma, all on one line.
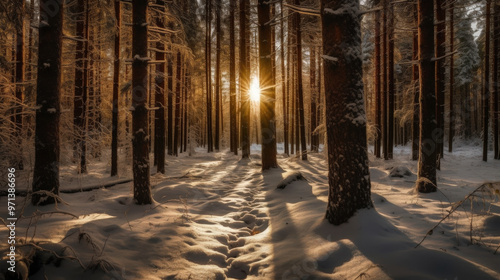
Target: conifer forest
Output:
[(249, 139)]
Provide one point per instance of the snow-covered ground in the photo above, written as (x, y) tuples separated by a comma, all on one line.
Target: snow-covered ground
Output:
[(216, 217)]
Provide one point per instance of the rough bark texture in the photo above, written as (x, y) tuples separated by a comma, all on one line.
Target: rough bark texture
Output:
[(46, 169), (208, 59), (160, 100), (217, 92), (426, 181), (451, 31), (300, 88), (170, 106), (390, 82), (384, 98), (177, 125), (140, 115), (349, 176), (440, 73), (416, 103), (244, 80), (232, 79), (496, 50), (378, 93), (81, 89), (267, 99), (486, 83), (116, 90), (314, 94)]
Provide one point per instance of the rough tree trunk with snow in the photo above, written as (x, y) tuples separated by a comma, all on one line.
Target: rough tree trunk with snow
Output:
[(160, 97), (349, 176), (46, 170), (140, 142), (268, 95), (426, 181)]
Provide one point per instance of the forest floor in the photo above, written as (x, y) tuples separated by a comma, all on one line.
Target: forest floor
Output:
[(216, 216)]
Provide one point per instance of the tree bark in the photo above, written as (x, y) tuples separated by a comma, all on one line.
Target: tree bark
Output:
[(284, 89), (178, 78), (426, 181), (390, 82), (496, 50), (140, 115), (451, 130), (416, 92), (268, 95), (208, 59), (314, 94), (232, 79), (160, 97), (300, 89), (378, 93), (440, 73), (19, 73), (486, 84), (170, 106), (349, 176), (48, 100), (244, 79), (217, 93)]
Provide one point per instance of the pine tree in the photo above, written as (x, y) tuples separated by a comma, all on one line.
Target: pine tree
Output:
[(244, 79), (48, 100), (160, 95), (349, 176), (116, 89), (140, 116), (268, 95), (426, 181), (232, 79)]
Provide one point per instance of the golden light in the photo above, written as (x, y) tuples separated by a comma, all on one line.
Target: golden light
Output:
[(254, 90)]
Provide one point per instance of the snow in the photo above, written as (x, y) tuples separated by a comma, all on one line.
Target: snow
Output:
[(217, 216), (52, 110)]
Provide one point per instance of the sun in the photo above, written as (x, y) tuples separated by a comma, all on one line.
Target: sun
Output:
[(254, 90)]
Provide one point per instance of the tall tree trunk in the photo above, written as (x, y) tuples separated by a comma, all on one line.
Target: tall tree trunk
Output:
[(284, 89), (160, 97), (140, 115), (80, 98), (390, 82), (116, 90), (233, 131), (378, 93), (170, 106), (451, 130), (426, 181), (48, 100), (486, 84), (300, 89), (217, 93), (314, 93), (416, 91), (349, 175), (385, 141), (244, 79), (185, 105), (178, 78), (19, 88), (440, 73), (496, 50), (268, 95), (208, 59)]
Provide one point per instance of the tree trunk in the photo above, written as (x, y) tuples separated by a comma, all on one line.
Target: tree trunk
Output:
[(385, 141), (19, 71), (178, 78), (496, 50), (349, 175), (440, 74), (486, 84), (451, 130), (81, 81), (416, 92), (314, 94), (170, 106), (233, 131), (378, 93), (46, 169), (426, 181), (217, 93), (284, 89), (267, 99), (140, 115), (116, 90), (208, 59), (160, 97), (390, 82), (244, 79), (300, 89)]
